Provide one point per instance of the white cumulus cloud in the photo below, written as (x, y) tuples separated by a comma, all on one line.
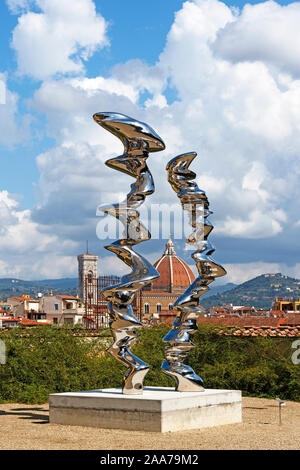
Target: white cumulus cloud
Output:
[(234, 115), (240, 114), (58, 38), (242, 272), (25, 250), (266, 32)]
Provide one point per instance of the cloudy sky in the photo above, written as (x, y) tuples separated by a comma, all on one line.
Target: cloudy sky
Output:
[(218, 78)]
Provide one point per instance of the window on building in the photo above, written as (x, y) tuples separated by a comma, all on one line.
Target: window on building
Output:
[(146, 308), (170, 306), (55, 306), (158, 308), (55, 321), (90, 277)]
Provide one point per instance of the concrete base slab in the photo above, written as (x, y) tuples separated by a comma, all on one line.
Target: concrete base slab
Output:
[(156, 410)]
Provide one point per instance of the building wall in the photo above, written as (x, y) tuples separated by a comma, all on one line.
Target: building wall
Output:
[(285, 305), (48, 305), (29, 305), (62, 314), (153, 299), (17, 306)]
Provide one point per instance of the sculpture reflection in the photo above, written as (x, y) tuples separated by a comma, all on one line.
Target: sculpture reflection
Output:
[(178, 340), (138, 140)]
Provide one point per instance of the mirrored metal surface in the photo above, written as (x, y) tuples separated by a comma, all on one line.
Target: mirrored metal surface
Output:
[(178, 339), (138, 139)]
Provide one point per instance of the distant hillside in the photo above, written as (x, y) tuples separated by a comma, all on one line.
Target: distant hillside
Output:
[(259, 292), (15, 287), (214, 290)]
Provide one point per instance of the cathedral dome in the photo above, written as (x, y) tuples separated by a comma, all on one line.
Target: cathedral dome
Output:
[(174, 272)]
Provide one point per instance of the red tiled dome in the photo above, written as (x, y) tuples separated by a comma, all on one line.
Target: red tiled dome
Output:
[(174, 272)]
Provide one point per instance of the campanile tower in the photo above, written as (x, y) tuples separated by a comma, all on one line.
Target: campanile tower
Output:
[(87, 269)]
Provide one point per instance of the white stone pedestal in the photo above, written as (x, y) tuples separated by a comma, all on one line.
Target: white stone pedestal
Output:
[(157, 410)]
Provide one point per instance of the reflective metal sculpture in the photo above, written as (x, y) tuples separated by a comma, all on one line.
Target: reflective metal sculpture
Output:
[(138, 140), (195, 202)]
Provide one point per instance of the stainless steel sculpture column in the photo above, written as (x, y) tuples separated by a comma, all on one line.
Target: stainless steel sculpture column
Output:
[(195, 202), (138, 140)]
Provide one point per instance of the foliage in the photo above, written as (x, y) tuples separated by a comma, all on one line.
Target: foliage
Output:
[(48, 360), (259, 366)]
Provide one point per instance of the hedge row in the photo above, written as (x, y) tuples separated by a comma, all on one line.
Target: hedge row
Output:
[(47, 360)]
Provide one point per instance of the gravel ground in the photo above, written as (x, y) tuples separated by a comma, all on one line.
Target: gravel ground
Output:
[(27, 427)]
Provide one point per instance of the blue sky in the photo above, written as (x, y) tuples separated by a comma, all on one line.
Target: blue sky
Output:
[(220, 81), (136, 30)]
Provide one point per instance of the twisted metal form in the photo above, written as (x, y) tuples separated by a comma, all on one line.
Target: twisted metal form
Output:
[(138, 140), (195, 202)]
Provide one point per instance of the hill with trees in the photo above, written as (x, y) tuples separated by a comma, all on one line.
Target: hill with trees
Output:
[(259, 292), (13, 287)]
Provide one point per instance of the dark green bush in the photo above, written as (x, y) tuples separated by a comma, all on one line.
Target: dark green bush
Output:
[(51, 360), (48, 360), (259, 366)]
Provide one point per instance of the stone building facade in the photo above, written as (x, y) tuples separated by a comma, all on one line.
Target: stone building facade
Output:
[(87, 272), (63, 309)]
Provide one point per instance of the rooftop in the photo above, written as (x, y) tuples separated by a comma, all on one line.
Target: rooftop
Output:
[(174, 272)]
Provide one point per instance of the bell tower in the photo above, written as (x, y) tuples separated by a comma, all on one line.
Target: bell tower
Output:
[(87, 268)]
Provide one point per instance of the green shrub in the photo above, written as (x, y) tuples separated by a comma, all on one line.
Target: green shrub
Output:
[(259, 366), (47, 360)]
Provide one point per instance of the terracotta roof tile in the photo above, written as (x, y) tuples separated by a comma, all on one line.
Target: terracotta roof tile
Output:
[(69, 297), (173, 271), (9, 319)]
